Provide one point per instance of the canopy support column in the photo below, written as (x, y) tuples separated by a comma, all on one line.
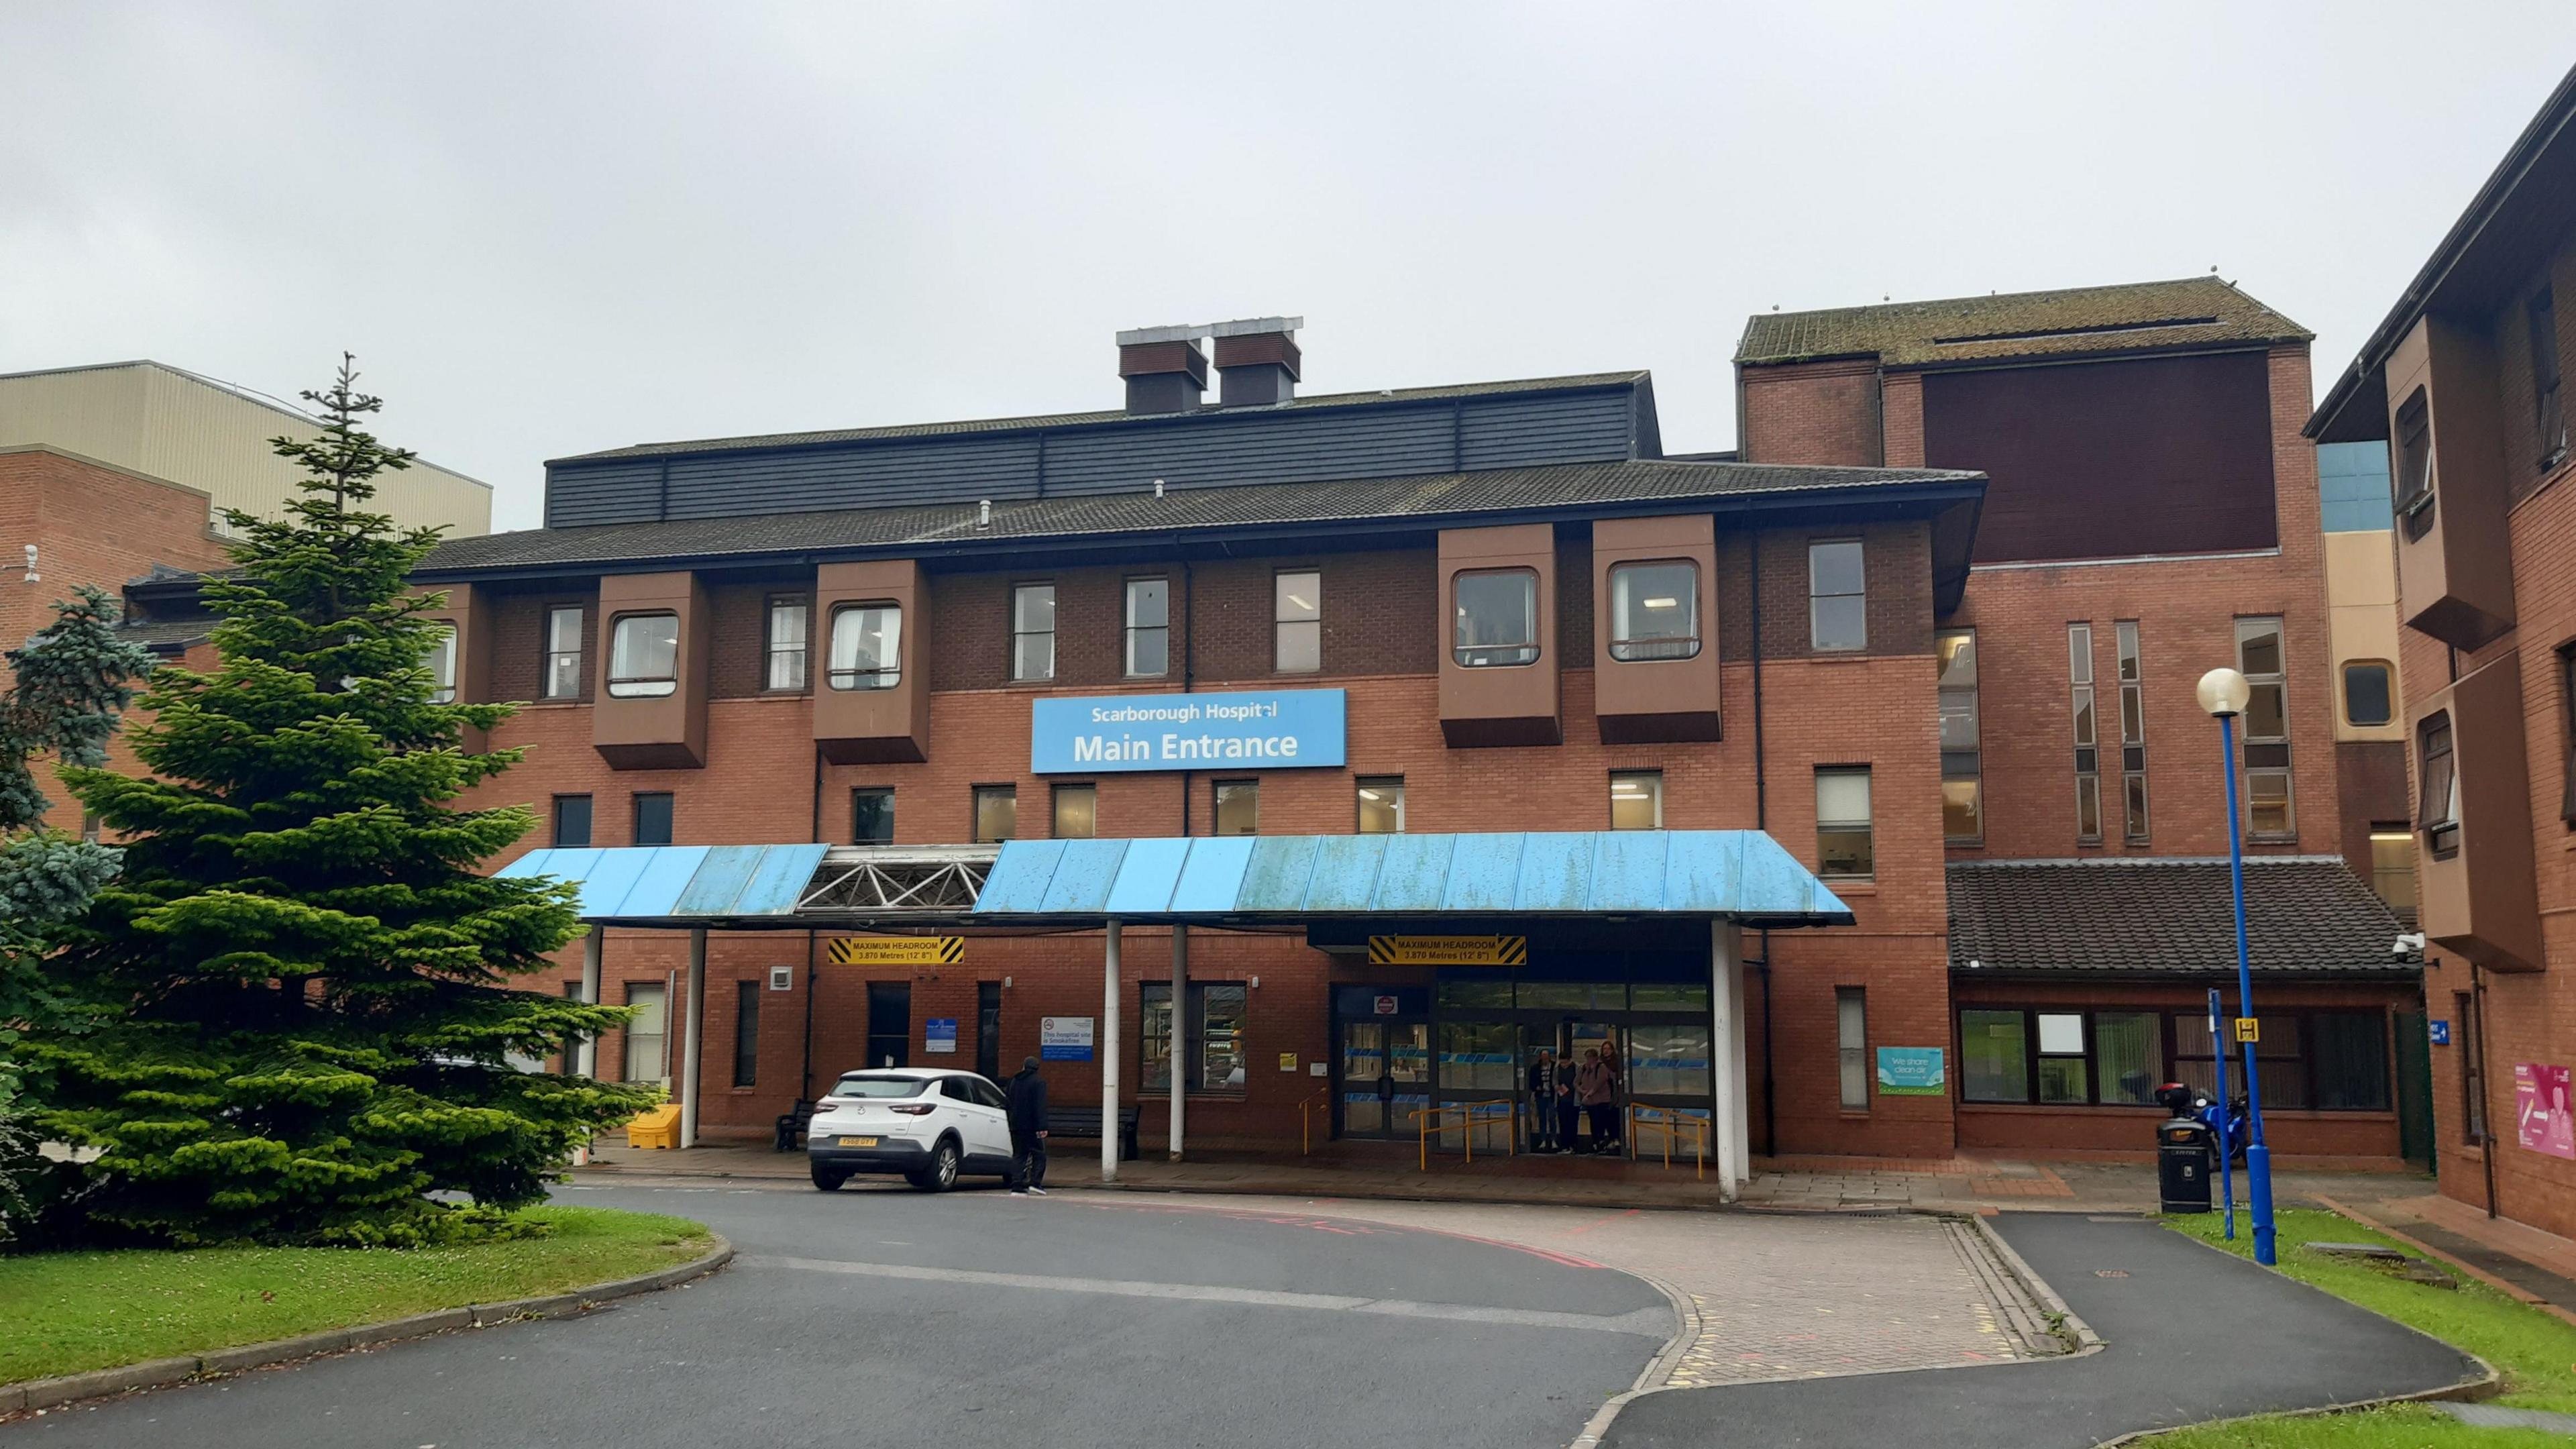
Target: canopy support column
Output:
[(1726, 1054), (697, 990), (591, 946), (1743, 1063), (1180, 1032), (1109, 1054)]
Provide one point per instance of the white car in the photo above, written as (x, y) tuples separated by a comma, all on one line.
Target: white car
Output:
[(928, 1123)]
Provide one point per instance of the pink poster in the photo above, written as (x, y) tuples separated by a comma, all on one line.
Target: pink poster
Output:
[(2541, 1120)]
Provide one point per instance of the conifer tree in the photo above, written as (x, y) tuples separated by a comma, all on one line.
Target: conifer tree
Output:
[(309, 975)]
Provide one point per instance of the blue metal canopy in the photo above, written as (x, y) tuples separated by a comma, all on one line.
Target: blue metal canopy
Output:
[(682, 884), (1740, 875)]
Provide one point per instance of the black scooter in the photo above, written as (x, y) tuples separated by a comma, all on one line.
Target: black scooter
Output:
[(2183, 1100)]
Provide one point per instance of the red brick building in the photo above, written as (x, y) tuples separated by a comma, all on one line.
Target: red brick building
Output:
[(2461, 382)]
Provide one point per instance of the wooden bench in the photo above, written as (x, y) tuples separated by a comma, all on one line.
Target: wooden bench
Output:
[(792, 1125), (1085, 1122)]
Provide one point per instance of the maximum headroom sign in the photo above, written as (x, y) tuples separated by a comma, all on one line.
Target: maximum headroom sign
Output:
[(1448, 950), (896, 950)]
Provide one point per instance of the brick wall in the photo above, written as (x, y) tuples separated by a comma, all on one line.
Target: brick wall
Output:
[(1812, 412)]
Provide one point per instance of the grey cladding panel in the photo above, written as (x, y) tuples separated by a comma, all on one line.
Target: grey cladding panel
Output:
[(874, 476), (1525, 432), (620, 492), (1280, 447)]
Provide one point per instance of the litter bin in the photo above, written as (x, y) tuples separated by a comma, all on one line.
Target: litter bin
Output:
[(2182, 1165)]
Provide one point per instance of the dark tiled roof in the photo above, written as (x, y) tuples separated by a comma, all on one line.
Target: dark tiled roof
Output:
[(1360, 501), (1076, 420), (2168, 916), (2135, 317), (168, 636)]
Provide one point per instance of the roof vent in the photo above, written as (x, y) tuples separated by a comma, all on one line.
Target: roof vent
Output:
[(1257, 361), (1165, 371)]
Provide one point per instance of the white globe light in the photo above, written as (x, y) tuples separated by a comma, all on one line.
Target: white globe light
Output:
[(2224, 692)]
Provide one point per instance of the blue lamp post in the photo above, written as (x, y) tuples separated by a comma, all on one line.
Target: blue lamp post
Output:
[(2224, 692)]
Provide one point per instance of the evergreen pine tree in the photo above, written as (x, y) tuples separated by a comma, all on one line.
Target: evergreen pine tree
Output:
[(309, 975)]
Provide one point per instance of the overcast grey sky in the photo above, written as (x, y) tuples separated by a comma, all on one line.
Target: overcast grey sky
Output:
[(550, 228)]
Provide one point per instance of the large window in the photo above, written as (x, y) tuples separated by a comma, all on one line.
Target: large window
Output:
[(1851, 1045), (1636, 799), (2548, 420), (2438, 811), (653, 817), (1381, 800), (2330, 1061), (442, 664), (1963, 820), (1149, 627), (872, 815), (2392, 866), (997, 813), (1497, 618), (1074, 812), (867, 646), (1837, 603), (563, 653), (2369, 692), (1654, 610), (2473, 1080), (1238, 807), (1843, 823), (1297, 621), (2567, 734), (2088, 747), (646, 1057), (1033, 631), (2265, 729), (572, 820), (746, 1033), (785, 661), (644, 656), (2133, 734), (2414, 482), (1211, 1037)]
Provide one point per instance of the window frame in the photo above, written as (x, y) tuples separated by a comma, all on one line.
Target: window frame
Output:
[(1851, 1047), (629, 1037), (589, 822), (746, 1032), (2084, 724), (2137, 823), (1866, 827), (1654, 781), (2566, 661), (1460, 651), (553, 654), (1218, 792), (1360, 786), (2383, 833), (2441, 832), (1815, 640), (440, 661), (2268, 748), (2412, 464), (774, 609), (1281, 623), (2343, 682), (1017, 633), (1058, 793), (1960, 766), (1133, 632), (887, 674), (2549, 419), (635, 808), (2473, 1084), (639, 686), (1688, 597), (977, 795), (872, 792), (2292, 1025), (1153, 1025)]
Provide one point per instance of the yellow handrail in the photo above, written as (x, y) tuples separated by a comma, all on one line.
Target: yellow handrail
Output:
[(1320, 1102), (1467, 1120), (1665, 1121)]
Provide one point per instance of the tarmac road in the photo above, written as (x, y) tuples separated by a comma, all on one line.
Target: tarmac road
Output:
[(975, 1318)]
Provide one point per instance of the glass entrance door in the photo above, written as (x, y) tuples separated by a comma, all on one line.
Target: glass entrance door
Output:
[(1609, 1042), (1386, 1075)]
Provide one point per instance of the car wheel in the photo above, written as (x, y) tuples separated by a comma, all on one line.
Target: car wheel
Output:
[(828, 1180), (941, 1174)]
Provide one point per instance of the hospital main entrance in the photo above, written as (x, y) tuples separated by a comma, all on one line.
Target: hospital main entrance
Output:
[(1452, 1059)]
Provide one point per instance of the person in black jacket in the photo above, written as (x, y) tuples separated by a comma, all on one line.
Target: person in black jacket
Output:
[(1543, 1080), (1028, 1130)]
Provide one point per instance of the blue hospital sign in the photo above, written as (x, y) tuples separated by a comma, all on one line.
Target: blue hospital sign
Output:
[(1264, 729)]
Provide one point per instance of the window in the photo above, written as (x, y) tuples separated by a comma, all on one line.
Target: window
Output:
[(2332, 1061), (2129, 1057), (2265, 729), (988, 1029), (653, 818), (646, 1059), (563, 652), (1075, 810), (1238, 807), (442, 664), (2438, 811), (2062, 1075), (1636, 799), (997, 813), (644, 656), (1963, 819), (889, 1024), (2352, 487), (1994, 1061), (2473, 1072), (1297, 612), (872, 816), (2347, 1061), (1851, 1025), (2567, 734), (89, 831), (2392, 866), (2133, 735), (1033, 631), (1211, 1037), (572, 820), (1837, 612), (1381, 800), (1842, 823), (1149, 627), (1654, 610), (786, 653), (746, 1034), (1497, 618), (2088, 752), (2551, 423), (2415, 465), (867, 646), (2369, 696)]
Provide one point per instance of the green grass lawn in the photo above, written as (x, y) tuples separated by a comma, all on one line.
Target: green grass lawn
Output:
[(2535, 1351), (63, 1313)]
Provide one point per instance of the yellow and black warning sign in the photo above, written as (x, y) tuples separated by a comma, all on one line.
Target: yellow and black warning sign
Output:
[(2248, 1029), (897, 950), (1448, 950)]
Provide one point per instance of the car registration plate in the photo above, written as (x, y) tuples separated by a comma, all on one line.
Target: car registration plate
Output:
[(858, 1142)]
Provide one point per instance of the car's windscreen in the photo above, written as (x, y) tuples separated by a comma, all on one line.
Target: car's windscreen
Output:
[(879, 1087)]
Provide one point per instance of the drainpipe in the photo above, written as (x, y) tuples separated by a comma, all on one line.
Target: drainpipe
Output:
[(1762, 821)]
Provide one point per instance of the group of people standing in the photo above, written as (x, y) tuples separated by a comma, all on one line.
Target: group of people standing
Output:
[(1564, 1095)]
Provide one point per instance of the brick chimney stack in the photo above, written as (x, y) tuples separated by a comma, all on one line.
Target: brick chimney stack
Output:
[(1257, 361), (1165, 370)]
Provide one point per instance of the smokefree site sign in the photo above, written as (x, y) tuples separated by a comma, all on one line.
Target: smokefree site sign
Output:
[(1262, 729)]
